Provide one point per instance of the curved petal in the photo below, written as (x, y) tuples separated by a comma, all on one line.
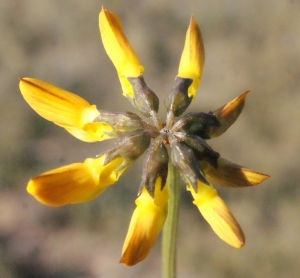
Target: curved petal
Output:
[(192, 58), (119, 50), (74, 183), (217, 214), (65, 109), (145, 225), (227, 115), (229, 174)]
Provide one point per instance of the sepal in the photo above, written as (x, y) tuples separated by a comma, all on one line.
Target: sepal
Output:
[(155, 166), (178, 100), (129, 147), (197, 123), (185, 161), (201, 149), (122, 123), (144, 99)]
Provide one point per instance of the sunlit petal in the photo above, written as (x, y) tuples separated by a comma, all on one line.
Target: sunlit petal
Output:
[(192, 59), (74, 183), (119, 50), (65, 109), (145, 225), (217, 214)]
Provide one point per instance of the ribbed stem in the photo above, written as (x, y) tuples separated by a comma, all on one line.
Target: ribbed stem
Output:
[(169, 234)]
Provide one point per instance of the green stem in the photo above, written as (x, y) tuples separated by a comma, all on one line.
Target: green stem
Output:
[(169, 234)]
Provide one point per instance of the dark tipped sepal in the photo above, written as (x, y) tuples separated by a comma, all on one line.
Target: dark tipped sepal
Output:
[(197, 123), (201, 149), (178, 100), (155, 166), (184, 159), (129, 147), (145, 100)]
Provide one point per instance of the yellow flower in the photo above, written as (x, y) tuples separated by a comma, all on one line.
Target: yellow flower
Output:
[(119, 50), (175, 143), (145, 225), (65, 109), (192, 58), (218, 215), (75, 183)]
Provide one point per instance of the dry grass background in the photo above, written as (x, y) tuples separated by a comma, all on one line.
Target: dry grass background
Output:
[(249, 45)]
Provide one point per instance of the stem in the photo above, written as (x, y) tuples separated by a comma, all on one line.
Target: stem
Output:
[(169, 234)]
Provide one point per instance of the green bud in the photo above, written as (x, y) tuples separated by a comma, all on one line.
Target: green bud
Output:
[(178, 100), (129, 147), (145, 100)]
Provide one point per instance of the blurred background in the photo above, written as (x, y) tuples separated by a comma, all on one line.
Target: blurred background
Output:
[(249, 45)]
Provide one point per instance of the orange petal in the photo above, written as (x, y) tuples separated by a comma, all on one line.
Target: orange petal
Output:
[(229, 174), (228, 114)]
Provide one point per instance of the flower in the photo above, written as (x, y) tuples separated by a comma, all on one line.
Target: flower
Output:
[(182, 143)]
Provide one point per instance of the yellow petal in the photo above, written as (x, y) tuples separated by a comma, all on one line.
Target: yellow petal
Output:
[(217, 214), (145, 225), (74, 183), (192, 58), (65, 109), (227, 115), (229, 174), (119, 50)]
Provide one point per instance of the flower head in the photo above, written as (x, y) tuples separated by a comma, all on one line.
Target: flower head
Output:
[(182, 143)]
